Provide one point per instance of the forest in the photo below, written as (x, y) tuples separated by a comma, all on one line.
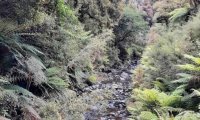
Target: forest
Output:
[(99, 60)]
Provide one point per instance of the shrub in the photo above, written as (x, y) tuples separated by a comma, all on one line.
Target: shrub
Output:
[(129, 34)]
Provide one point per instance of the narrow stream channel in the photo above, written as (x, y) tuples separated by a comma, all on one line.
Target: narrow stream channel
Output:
[(116, 109)]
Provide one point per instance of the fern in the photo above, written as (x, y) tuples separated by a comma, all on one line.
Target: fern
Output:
[(187, 115), (189, 67), (54, 80), (168, 100), (179, 90), (36, 67), (31, 49), (185, 78), (178, 13), (57, 82), (196, 60), (53, 71), (155, 97), (188, 97), (18, 90), (148, 96), (146, 115), (3, 80)]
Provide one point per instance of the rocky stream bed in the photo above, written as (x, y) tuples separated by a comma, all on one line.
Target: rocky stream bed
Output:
[(116, 108)]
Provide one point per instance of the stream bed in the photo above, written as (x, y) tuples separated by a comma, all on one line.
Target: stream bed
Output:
[(116, 108)]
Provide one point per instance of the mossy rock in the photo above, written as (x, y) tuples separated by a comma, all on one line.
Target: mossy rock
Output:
[(92, 78)]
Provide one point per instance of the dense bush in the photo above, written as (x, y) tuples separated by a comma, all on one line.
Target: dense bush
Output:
[(167, 70), (129, 34)]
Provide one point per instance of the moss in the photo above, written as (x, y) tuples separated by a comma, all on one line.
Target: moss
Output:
[(93, 78)]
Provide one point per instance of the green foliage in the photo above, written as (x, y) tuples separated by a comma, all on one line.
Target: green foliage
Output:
[(97, 15), (148, 96), (196, 60), (50, 111), (53, 71), (65, 12), (54, 78), (18, 47), (174, 10), (154, 97), (57, 82), (18, 90), (136, 18), (146, 115), (93, 78), (160, 58), (187, 115), (191, 67), (184, 78), (168, 67), (130, 34), (178, 13), (154, 104)]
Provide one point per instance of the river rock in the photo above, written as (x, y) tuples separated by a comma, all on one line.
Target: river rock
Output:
[(124, 76)]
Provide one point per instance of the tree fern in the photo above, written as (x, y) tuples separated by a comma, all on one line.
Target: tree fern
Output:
[(196, 60), (57, 82), (155, 97), (54, 80), (31, 49), (18, 90), (3, 80), (184, 78), (187, 115), (146, 115), (178, 13), (53, 71), (191, 67), (189, 97)]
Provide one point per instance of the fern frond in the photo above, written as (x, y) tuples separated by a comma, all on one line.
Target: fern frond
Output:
[(57, 82), (179, 90), (196, 60), (178, 13), (3, 80), (184, 78), (187, 115), (195, 93), (31, 49), (146, 115), (53, 71), (172, 109), (189, 67), (36, 67), (18, 90), (168, 100)]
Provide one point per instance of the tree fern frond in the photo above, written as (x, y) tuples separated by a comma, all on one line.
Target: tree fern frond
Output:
[(172, 109), (184, 78), (36, 67), (189, 67), (178, 13), (187, 115), (57, 82), (196, 60), (53, 71), (31, 49), (18, 90), (195, 93), (3, 80), (179, 90)]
